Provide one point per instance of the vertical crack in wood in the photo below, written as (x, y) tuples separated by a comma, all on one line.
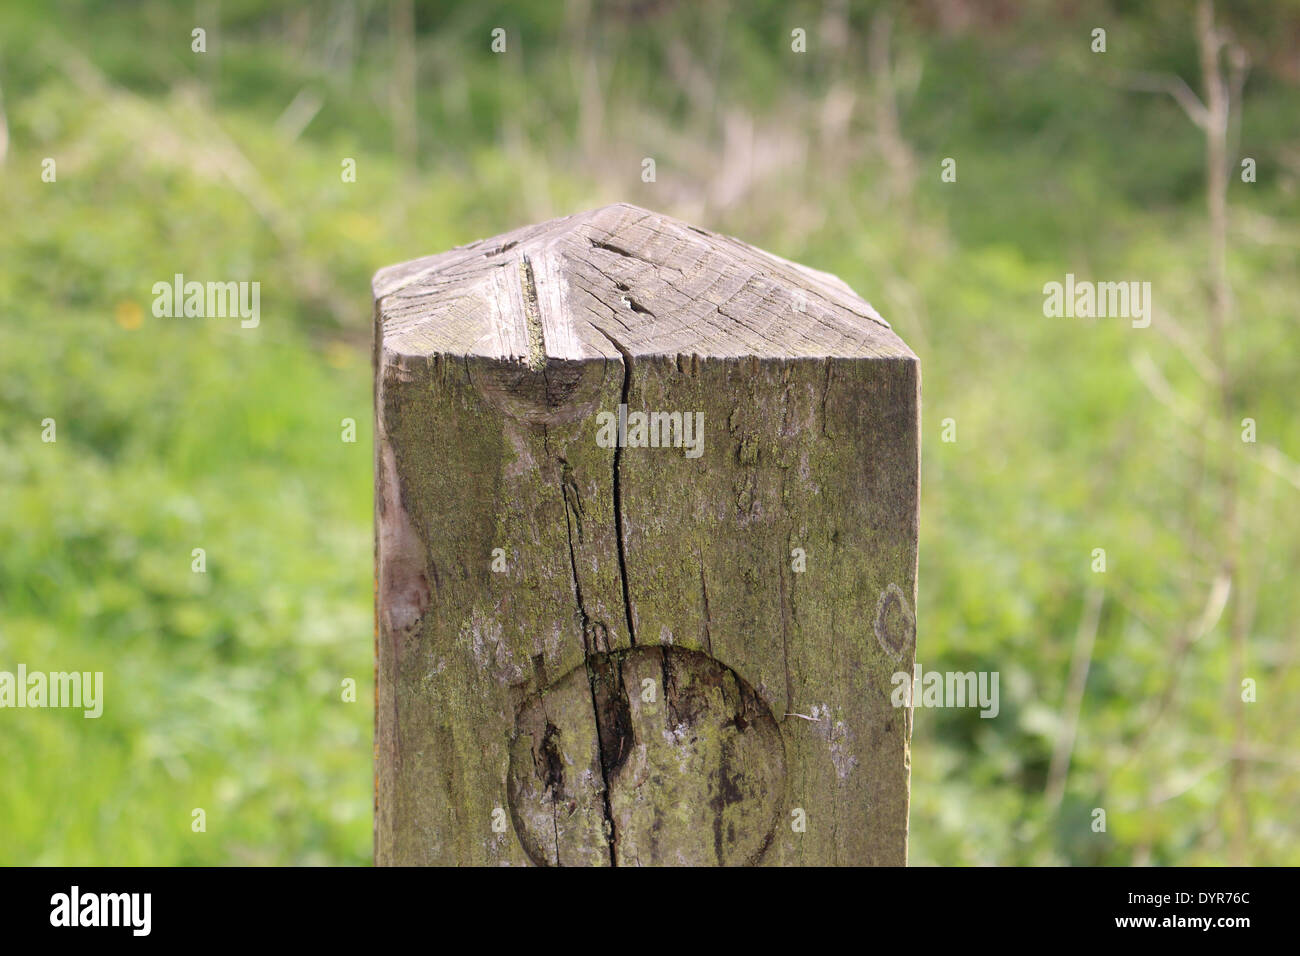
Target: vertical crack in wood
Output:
[(708, 617), (669, 689), (532, 316), (572, 509), (553, 775), (618, 490), (826, 391)]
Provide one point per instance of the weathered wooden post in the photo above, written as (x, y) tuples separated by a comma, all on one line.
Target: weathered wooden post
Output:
[(646, 543)]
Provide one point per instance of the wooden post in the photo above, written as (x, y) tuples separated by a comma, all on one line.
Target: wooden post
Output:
[(646, 545)]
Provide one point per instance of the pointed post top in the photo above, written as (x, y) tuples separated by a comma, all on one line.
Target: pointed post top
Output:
[(622, 281)]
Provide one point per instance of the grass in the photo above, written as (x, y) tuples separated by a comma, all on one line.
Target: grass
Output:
[(224, 690)]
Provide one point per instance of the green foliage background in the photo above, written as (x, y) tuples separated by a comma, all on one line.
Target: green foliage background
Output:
[(223, 689)]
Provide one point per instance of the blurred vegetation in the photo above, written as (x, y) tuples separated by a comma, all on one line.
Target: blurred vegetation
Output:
[(223, 689)]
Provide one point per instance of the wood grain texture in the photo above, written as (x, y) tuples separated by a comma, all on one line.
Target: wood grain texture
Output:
[(649, 680)]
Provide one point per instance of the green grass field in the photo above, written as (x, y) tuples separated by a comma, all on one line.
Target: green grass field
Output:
[(224, 690)]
